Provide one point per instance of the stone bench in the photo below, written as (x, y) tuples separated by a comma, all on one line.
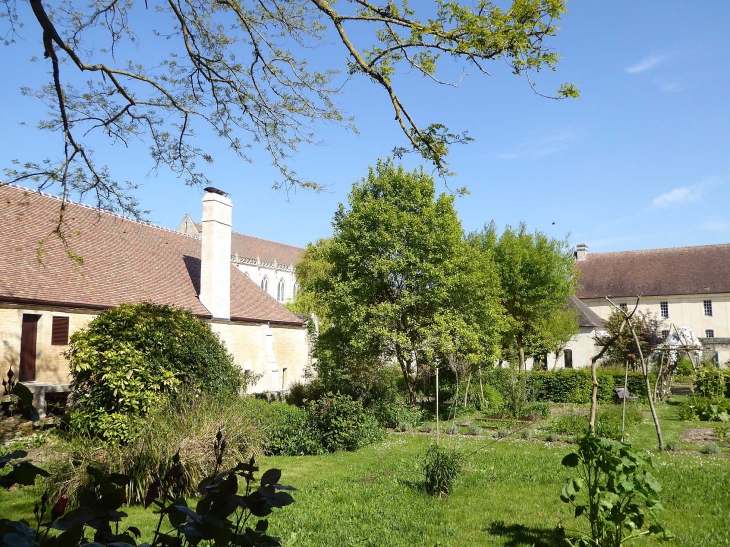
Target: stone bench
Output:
[(41, 389), (624, 394)]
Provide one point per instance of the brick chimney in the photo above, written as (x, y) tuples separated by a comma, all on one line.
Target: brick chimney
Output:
[(581, 251), (215, 268)]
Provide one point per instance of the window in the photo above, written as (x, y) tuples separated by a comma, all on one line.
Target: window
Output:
[(664, 309), (568, 358), (708, 307), (265, 284), (59, 331), (280, 291), (665, 333), (623, 306), (709, 333), (295, 289)]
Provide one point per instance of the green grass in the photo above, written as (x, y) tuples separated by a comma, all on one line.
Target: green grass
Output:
[(507, 494)]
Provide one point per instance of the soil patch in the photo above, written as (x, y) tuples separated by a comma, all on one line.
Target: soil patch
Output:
[(699, 435)]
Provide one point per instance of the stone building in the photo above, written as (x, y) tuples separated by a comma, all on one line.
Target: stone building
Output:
[(45, 296), (684, 286)]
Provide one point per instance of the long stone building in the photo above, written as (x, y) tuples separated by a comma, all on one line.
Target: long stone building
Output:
[(45, 296)]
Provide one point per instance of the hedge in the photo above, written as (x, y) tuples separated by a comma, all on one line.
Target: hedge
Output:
[(569, 385)]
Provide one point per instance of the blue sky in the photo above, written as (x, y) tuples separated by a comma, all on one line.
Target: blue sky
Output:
[(641, 160)]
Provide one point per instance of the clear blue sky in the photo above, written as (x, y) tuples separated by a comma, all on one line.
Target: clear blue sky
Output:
[(641, 160)]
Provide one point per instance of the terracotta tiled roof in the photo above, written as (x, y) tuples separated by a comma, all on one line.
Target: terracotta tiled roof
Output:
[(656, 272), (123, 261), (252, 247), (586, 316)]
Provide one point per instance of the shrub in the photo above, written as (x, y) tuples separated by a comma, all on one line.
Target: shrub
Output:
[(705, 409), (502, 433), (404, 427), (428, 427), (441, 468), (474, 430), (551, 437), (710, 382), (526, 433), (608, 419), (536, 411), (393, 413), (452, 429), (342, 424), (685, 366), (711, 449), (493, 399), (184, 426), (673, 446), (129, 359), (619, 492)]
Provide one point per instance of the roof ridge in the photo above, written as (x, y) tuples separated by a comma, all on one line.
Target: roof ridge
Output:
[(97, 209), (681, 248)]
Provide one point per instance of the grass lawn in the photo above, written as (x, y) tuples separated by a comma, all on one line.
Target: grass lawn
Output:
[(507, 495)]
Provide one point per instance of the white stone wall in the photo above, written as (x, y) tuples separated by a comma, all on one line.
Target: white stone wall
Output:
[(257, 272), (687, 311), (582, 346)]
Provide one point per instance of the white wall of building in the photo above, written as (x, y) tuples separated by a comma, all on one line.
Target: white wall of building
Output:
[(275, 273)]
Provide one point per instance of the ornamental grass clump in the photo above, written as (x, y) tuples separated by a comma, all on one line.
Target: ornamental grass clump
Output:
[(441, 468)]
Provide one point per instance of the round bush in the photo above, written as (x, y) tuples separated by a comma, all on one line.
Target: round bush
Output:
[(131, 358)]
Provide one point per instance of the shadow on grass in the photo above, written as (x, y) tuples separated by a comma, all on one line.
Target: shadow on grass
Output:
[(518, 535)]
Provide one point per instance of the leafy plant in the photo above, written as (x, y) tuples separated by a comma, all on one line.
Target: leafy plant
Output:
[(710, 382), (131, 358), (441, 468), (615, 491), (711, 449), (222, 517), (452, 429), (705, 409), (474, 430)]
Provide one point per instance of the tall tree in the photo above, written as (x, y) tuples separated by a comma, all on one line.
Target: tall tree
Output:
[(400, 285), (537, 276), (243, 69)]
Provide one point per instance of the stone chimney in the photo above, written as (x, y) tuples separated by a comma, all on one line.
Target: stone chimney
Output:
[(581, 251), (215, 268)]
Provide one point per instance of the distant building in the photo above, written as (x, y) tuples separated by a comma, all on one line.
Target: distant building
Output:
[(684, 286), (268, 264)]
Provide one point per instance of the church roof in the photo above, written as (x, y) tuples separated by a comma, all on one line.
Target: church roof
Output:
[(255, 247), (703, 269), (123, 261)]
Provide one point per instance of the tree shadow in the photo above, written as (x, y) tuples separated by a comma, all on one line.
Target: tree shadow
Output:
[(519, 535)]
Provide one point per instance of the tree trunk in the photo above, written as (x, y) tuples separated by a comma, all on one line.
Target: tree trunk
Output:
[(594, 396), (466, 390), (405, 366), (521, 351)]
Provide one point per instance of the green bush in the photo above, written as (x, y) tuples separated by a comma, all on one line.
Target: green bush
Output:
[(710, 382), (184, 426), (493, 399), (608, 419), (392, 413), (343, 424), (131, 358), (705, 409), (565, 385), (685, 367), (441, 468), (570, 424)]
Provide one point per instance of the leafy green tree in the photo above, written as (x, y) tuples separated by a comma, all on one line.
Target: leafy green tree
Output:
[(129, 359), (245, 71), (400, 285), (623, 350), (555, 331), (537, 276)]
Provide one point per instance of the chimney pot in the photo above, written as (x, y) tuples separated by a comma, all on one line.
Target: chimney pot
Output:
[(581, 251), (215, 268)]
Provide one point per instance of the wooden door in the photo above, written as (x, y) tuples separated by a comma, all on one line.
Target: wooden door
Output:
[(28, 338)]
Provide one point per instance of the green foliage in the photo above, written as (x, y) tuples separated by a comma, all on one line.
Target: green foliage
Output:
[(392, 413), (711, 382), (183, 426), (614, 490), (494, 400), (222, 516), (537, 276), (441, 468), (131, 358), (399, 281), (623, 350), (608, 419), (711, 449), (685, 367), (332, 423), (474, 430), (705, 409), (452, 428), (566, 385)]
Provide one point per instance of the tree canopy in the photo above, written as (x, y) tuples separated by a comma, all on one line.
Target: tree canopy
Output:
[(248, 71), (623, 350), (537, 276), (399, 283)]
